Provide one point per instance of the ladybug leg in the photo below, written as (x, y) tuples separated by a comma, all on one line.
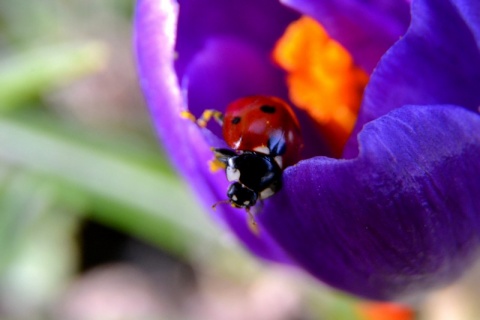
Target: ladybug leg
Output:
[(207, 115), (223, 154), (215, 165), (188, 115), (221, 159)]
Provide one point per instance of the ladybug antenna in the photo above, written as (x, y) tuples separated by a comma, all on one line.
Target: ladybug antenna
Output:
[(220, 202)]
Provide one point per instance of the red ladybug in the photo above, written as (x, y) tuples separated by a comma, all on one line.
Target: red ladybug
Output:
[(264, 136), (263, 124)]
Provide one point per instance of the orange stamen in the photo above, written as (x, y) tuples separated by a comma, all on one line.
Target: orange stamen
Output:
[(322, 79), (384, 311)]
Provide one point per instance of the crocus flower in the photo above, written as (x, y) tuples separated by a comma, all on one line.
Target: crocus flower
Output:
[(398, 212)]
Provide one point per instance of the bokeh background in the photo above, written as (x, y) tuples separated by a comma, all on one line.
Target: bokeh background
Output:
[(94, 223)]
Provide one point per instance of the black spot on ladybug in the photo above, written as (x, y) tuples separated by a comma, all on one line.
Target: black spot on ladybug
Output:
[(235, 120), (267, 109)]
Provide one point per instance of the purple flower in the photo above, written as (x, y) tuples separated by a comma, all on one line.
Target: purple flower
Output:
[(399, 214)]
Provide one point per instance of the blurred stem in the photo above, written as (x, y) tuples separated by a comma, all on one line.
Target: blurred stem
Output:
[(146, 201), (22, 200), (34, 71)]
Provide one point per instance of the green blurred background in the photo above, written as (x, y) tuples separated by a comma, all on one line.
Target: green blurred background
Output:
[(94, 224)]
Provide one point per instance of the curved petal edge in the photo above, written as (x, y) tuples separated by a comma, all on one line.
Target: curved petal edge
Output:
[(401, 218)]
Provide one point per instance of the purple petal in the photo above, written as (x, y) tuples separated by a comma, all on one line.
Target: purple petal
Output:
[(401, 218), (365, 28), (437, 62), (257, 22), (184, 142)]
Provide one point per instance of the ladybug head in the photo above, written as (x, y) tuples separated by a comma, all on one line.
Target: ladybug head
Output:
[(254, 176), (241, 196)]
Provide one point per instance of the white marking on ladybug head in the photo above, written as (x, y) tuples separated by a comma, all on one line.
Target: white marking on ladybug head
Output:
[(262, 149), (246, 203), (237, 143), (232, 174), (279, 161), (266, 193), (234, 198)]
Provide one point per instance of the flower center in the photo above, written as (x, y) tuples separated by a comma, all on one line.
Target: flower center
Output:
[(322, 79)]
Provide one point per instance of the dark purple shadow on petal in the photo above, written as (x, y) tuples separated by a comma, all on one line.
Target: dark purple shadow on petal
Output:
[(401, 218), (257, 22), (437, 62), (186, 144), (469, 10), (365, 28)]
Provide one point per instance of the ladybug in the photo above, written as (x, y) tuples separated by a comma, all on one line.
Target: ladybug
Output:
[(264, 137)]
